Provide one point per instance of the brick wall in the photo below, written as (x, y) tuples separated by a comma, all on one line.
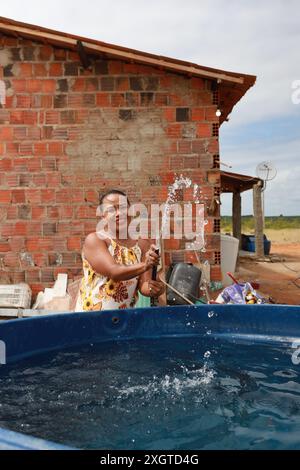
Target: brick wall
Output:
[(67, 133)]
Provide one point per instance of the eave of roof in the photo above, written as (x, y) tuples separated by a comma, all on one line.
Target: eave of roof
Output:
[(231, 182), (232, 85)]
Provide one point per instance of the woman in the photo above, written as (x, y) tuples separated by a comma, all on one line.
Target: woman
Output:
[(114, 269)]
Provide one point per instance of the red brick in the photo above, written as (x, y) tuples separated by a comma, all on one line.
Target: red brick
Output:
[(55, 148), (5, 196), (21, 228), (33, 196), (79, 84), (55, 69), (210, 114), (34, 228), (173, 130), (19, 85), (39, 180), (74, 243), (30, 117), (115, 67), (117, 99), (169, 114), (38, 212), (17, 117), (34, 164), (40, 148), (204, 130), (215, 273), (36, 288), (18, 196), (102, 99), (4, 247), (172, 244), (60, 54), (197, 114), (40, 70), (166, 81), (48, 86), (65, 212), (52, 117), (25, 70), (53, 212), (5, 164), (11, 260), (176, 100), (92, 196), (184, 146), (6, 133), (48, 195), (53, 180), (34, 85), (122, 84), (197, 83), (45, 53), (46, 101), (23, 101), (40, 259)]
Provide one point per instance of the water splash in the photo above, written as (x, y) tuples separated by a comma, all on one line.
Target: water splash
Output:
[(171, 387), (182, 182)]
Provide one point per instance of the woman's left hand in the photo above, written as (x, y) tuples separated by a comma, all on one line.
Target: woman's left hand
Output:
[(156, 288)]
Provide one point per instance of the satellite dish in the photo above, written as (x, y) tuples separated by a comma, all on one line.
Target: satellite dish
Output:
[(266, 171)]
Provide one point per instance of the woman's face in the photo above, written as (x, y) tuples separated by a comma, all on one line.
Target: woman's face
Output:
[(115, 212)]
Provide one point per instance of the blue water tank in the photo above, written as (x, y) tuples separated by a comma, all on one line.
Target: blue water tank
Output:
[(250, 244)]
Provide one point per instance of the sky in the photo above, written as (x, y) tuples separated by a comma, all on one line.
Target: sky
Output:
[(259, 37)]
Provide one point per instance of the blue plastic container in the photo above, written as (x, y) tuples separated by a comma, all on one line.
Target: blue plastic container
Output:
[(28, 337), (249, 244)]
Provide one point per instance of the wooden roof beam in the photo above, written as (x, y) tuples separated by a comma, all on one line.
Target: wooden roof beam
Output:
[(70, 42)]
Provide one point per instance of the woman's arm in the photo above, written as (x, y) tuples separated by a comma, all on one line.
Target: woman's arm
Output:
[(96, 253), (147, 286)]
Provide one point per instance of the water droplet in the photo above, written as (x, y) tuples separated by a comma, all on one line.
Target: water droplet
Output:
[(207, 354), (210, 314)]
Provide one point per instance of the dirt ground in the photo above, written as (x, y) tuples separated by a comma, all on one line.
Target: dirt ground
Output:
[(279, 274)]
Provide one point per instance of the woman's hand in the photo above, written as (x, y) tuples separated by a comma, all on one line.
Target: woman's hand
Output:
[(155, 288), (151, 258)]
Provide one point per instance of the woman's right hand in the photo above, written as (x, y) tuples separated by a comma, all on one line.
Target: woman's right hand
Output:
[(151, 257)]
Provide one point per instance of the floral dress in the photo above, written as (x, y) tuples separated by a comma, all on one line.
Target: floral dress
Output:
[(98, 292)]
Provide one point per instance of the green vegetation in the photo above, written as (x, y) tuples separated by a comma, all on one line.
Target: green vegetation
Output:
[(275, 223)]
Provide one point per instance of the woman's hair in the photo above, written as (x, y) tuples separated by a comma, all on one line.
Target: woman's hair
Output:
[(112, 191)]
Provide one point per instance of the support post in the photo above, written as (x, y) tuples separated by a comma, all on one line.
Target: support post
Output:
[(258, 219), (237, 216)]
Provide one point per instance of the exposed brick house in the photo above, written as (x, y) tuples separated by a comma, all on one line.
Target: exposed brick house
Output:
[(78, 116)]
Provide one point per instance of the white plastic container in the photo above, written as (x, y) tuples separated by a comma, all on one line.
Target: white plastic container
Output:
[(229, 254), (15, 296)]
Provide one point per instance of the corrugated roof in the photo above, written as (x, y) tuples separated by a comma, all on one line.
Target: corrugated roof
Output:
[(232, 85)]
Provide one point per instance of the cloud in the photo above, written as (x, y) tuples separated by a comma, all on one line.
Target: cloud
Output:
[(283, 193)]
